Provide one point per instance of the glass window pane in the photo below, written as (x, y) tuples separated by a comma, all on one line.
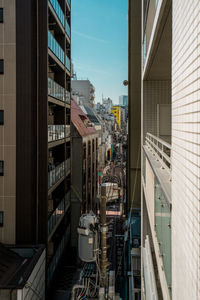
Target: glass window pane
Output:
[(1, 15), (1, 117), (1, 167), (1, 218), (1, 66)]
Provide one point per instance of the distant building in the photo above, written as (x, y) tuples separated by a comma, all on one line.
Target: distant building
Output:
[(107, 103), (117, 111), (84, 89), (84, 167), (123, 100)]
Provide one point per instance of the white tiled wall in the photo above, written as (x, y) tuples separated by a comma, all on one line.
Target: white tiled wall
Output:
[(186, 150)]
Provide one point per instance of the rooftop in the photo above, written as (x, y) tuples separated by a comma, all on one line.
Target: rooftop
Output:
[(16, 264), (80, 120)]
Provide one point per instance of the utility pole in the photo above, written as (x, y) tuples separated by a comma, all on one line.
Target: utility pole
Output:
[(103, 261)]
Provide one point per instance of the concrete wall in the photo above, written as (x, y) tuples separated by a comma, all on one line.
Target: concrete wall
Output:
[(186, 150), (7, 131)]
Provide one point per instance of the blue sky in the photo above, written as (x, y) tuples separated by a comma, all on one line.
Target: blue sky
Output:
[(100, 45)]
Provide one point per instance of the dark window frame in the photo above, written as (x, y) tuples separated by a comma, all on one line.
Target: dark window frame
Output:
[(1, 66), (1, 218), (2, 112), (1, 14), (1, 167)]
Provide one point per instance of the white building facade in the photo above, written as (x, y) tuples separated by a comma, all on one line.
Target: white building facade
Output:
[(169, 98)]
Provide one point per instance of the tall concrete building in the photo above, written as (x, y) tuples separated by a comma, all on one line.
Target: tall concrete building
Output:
[(35, 125), (123, 100), (164, 52)]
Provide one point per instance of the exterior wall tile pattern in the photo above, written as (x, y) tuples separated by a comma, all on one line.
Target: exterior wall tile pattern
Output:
[(186, 150)]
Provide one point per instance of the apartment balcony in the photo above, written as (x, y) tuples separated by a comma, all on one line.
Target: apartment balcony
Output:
[(57, 134), (58, 214), (58, 92), (67, 28), (67, 63), (60, 14), (156, 34), (58, 51), (59, 251), (156, 180), (149, 275), (58, 173)]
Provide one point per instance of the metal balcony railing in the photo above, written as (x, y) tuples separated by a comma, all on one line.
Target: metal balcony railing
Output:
[(58, 132), (57, 91), (161, 149), (58, 11), (54, 262), (150, 281), (58, 51), (58, 172), (60, 14), (67, 63), (67, 28), (58, 212), (56, 48), (162, 210)]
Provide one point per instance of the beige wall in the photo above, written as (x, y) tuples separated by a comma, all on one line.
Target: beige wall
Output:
[(8, 130)]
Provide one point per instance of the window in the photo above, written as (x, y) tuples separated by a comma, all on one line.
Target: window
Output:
[(1, 117), (1, 66), (1, 218), (1, 15), (1, 167)]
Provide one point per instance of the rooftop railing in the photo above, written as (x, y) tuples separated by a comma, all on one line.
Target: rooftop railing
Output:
[(161, 149)]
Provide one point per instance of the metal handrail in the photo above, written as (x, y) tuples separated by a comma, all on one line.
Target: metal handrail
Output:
[(161, 149)]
